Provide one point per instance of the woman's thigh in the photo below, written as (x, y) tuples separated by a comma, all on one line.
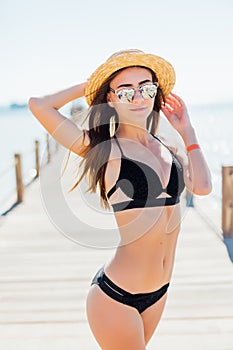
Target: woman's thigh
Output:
[(152, 316), (114, 325)]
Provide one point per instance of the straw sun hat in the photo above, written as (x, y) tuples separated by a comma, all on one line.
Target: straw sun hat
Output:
[(128, 58)]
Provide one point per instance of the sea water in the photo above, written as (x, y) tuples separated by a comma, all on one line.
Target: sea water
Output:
[(19, 130)]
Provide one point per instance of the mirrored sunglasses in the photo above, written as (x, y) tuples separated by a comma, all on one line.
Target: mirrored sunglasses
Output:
[(147, 91)]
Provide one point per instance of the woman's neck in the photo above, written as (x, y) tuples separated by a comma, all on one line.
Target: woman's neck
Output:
[(135, 133)]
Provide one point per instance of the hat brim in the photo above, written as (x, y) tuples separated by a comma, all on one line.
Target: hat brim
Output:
[(163, 69)]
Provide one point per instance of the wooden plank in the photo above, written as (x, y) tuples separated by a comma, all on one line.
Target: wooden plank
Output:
[(45, 278)]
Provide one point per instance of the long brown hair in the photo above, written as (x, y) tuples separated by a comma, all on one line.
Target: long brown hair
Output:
[(95, 160)]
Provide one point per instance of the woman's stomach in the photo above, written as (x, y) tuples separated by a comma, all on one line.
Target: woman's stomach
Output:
[(149, 222), (144, 259)]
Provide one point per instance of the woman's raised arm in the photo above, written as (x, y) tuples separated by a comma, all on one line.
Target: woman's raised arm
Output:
[(198, 177), (62, 129)]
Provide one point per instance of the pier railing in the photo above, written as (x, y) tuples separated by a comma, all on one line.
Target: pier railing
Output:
[(227, 201), (15, 194)]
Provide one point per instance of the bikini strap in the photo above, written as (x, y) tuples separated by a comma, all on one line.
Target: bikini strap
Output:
[(163, 144), (114, 188), (119, 146)]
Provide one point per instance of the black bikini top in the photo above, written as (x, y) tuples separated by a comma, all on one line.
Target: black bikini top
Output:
[(142, 184)]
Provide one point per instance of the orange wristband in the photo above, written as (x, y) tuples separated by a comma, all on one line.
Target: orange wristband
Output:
[(193, 146)]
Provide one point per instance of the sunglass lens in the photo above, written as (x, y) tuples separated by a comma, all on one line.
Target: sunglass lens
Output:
[(148, 91), (126, 95)]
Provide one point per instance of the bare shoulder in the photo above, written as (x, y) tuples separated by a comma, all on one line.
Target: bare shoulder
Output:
[(172, 147)]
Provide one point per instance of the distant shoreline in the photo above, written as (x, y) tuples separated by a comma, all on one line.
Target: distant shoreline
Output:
[(18, 105), (217, 104)]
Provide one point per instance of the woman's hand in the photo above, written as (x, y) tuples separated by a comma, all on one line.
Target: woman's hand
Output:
[(176, 113)]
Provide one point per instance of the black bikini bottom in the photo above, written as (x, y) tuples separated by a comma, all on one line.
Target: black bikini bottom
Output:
[(139, 301)]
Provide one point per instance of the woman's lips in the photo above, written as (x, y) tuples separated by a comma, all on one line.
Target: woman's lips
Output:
[(137, 109)]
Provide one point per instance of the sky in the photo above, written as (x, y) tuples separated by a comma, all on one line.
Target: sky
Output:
[(47, 46)]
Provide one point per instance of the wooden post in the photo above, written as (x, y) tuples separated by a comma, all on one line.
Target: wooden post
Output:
[(48, 148), (37, 158), (19, 181), (227, 201)]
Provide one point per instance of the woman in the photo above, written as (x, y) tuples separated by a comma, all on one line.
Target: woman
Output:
[(140, 177)]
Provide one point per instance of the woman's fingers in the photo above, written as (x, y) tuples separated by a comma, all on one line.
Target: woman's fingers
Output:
[(173, 102), (167, 107), (173, 105), (174, 96)]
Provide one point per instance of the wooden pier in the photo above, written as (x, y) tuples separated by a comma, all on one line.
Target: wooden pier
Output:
[(45, 277)]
